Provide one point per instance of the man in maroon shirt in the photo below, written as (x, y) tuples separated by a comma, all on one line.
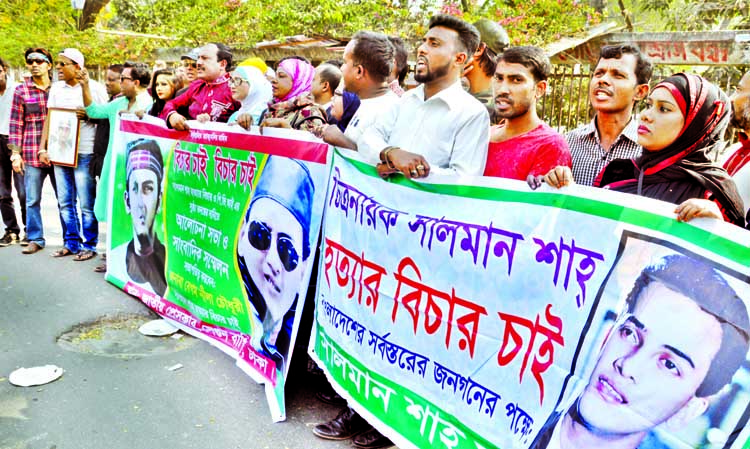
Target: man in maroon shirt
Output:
[(210, 99), (522, 144)]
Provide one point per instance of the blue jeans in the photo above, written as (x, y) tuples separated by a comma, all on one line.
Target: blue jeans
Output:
[(77, 183), (34, 180)]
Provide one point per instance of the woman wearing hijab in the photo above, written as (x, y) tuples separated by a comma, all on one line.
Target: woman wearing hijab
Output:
[(251, 88), (292, 105), (345, 105), (685, 118)]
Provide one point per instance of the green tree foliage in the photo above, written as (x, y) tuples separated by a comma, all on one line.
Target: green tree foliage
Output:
[(536, 22), (241, 24), (688, 15)]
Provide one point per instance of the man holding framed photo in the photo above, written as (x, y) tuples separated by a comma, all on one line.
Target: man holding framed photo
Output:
[(74, 181)]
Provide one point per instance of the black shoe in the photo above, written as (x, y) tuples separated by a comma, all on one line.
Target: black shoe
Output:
[(330, 397), (25, 241), (372, 439), (8, 239), (347, 424)]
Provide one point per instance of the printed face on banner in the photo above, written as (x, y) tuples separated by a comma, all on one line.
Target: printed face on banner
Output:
[(271, 243), (141, 260), (272, 253), (650, 368), (142, 201)]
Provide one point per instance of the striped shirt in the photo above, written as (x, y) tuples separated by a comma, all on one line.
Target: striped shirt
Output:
[(27, 115), (589, 158)]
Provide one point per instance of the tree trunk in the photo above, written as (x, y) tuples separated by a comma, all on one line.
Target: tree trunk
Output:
[(91, 9)]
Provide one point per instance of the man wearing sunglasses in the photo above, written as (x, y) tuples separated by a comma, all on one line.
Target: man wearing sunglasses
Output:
[(27, 117), (141, 260), (75, 185), (272, 253)]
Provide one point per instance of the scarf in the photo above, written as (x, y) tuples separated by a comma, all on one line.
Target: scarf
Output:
[(684, 169), (260, 92), (302, 74), (351, 105)]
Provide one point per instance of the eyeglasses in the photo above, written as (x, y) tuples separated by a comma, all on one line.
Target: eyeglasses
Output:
[(260, 237), (236, 81), (63, 64), (189, 65), (35, 61), (123, 78)]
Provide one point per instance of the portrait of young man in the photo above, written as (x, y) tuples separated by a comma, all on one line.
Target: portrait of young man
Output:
[(272, 253), (142, 259), (683, 336)]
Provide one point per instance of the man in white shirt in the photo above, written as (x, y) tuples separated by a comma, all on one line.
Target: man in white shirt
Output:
[(368, 62), (7, 210), (437, 127), (80, 236)]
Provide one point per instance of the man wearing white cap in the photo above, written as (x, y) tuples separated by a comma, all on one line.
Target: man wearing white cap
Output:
[(81, 236)]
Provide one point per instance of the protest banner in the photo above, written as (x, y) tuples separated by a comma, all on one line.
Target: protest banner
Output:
[(214, 229), (476, 313)]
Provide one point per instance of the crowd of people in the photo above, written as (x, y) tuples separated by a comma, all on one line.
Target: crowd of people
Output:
[(473, 113)]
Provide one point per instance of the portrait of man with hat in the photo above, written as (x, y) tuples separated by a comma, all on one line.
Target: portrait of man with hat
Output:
[(142, 259), (273, 250)]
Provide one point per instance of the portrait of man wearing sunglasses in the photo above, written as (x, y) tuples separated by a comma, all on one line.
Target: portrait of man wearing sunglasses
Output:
[(272, 253), (142, 259)]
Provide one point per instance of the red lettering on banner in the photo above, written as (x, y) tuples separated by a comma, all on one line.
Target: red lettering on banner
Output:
[(544, 355), (355, 270), (467, 323)]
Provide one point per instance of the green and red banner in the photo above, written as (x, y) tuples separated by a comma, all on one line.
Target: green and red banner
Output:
[(216, 229)]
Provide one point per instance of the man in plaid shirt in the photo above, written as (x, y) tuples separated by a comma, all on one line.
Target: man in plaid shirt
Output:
[(27, 116), (620, 80)]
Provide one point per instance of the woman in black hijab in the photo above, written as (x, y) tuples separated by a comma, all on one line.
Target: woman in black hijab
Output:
[(685, 118)]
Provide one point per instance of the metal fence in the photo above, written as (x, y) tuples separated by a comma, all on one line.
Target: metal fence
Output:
[(566, 105)]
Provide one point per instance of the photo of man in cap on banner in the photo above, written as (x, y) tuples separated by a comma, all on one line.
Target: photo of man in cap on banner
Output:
[(272, 253), (142, 259)]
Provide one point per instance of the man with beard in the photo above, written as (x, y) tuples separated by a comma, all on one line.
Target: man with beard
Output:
[(619, 81), (522, 144), (141, 260), (739, 155), (209, 98), (437, 127), (682, 338)]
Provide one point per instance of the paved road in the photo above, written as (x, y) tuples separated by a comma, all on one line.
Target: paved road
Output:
[(135, 403)]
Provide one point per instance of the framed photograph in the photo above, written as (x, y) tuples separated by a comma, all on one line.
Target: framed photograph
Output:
[(62, 137)]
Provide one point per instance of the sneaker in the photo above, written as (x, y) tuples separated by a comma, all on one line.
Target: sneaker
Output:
[(25, 241), (8, 239)]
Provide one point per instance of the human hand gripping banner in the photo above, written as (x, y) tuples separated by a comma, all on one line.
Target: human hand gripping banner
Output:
[(214, 229), (475, 313)]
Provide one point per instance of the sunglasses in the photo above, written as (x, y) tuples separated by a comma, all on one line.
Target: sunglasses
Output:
[(63, 64), (35, 61), (123, 78), (260, 237), (192, 65)]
